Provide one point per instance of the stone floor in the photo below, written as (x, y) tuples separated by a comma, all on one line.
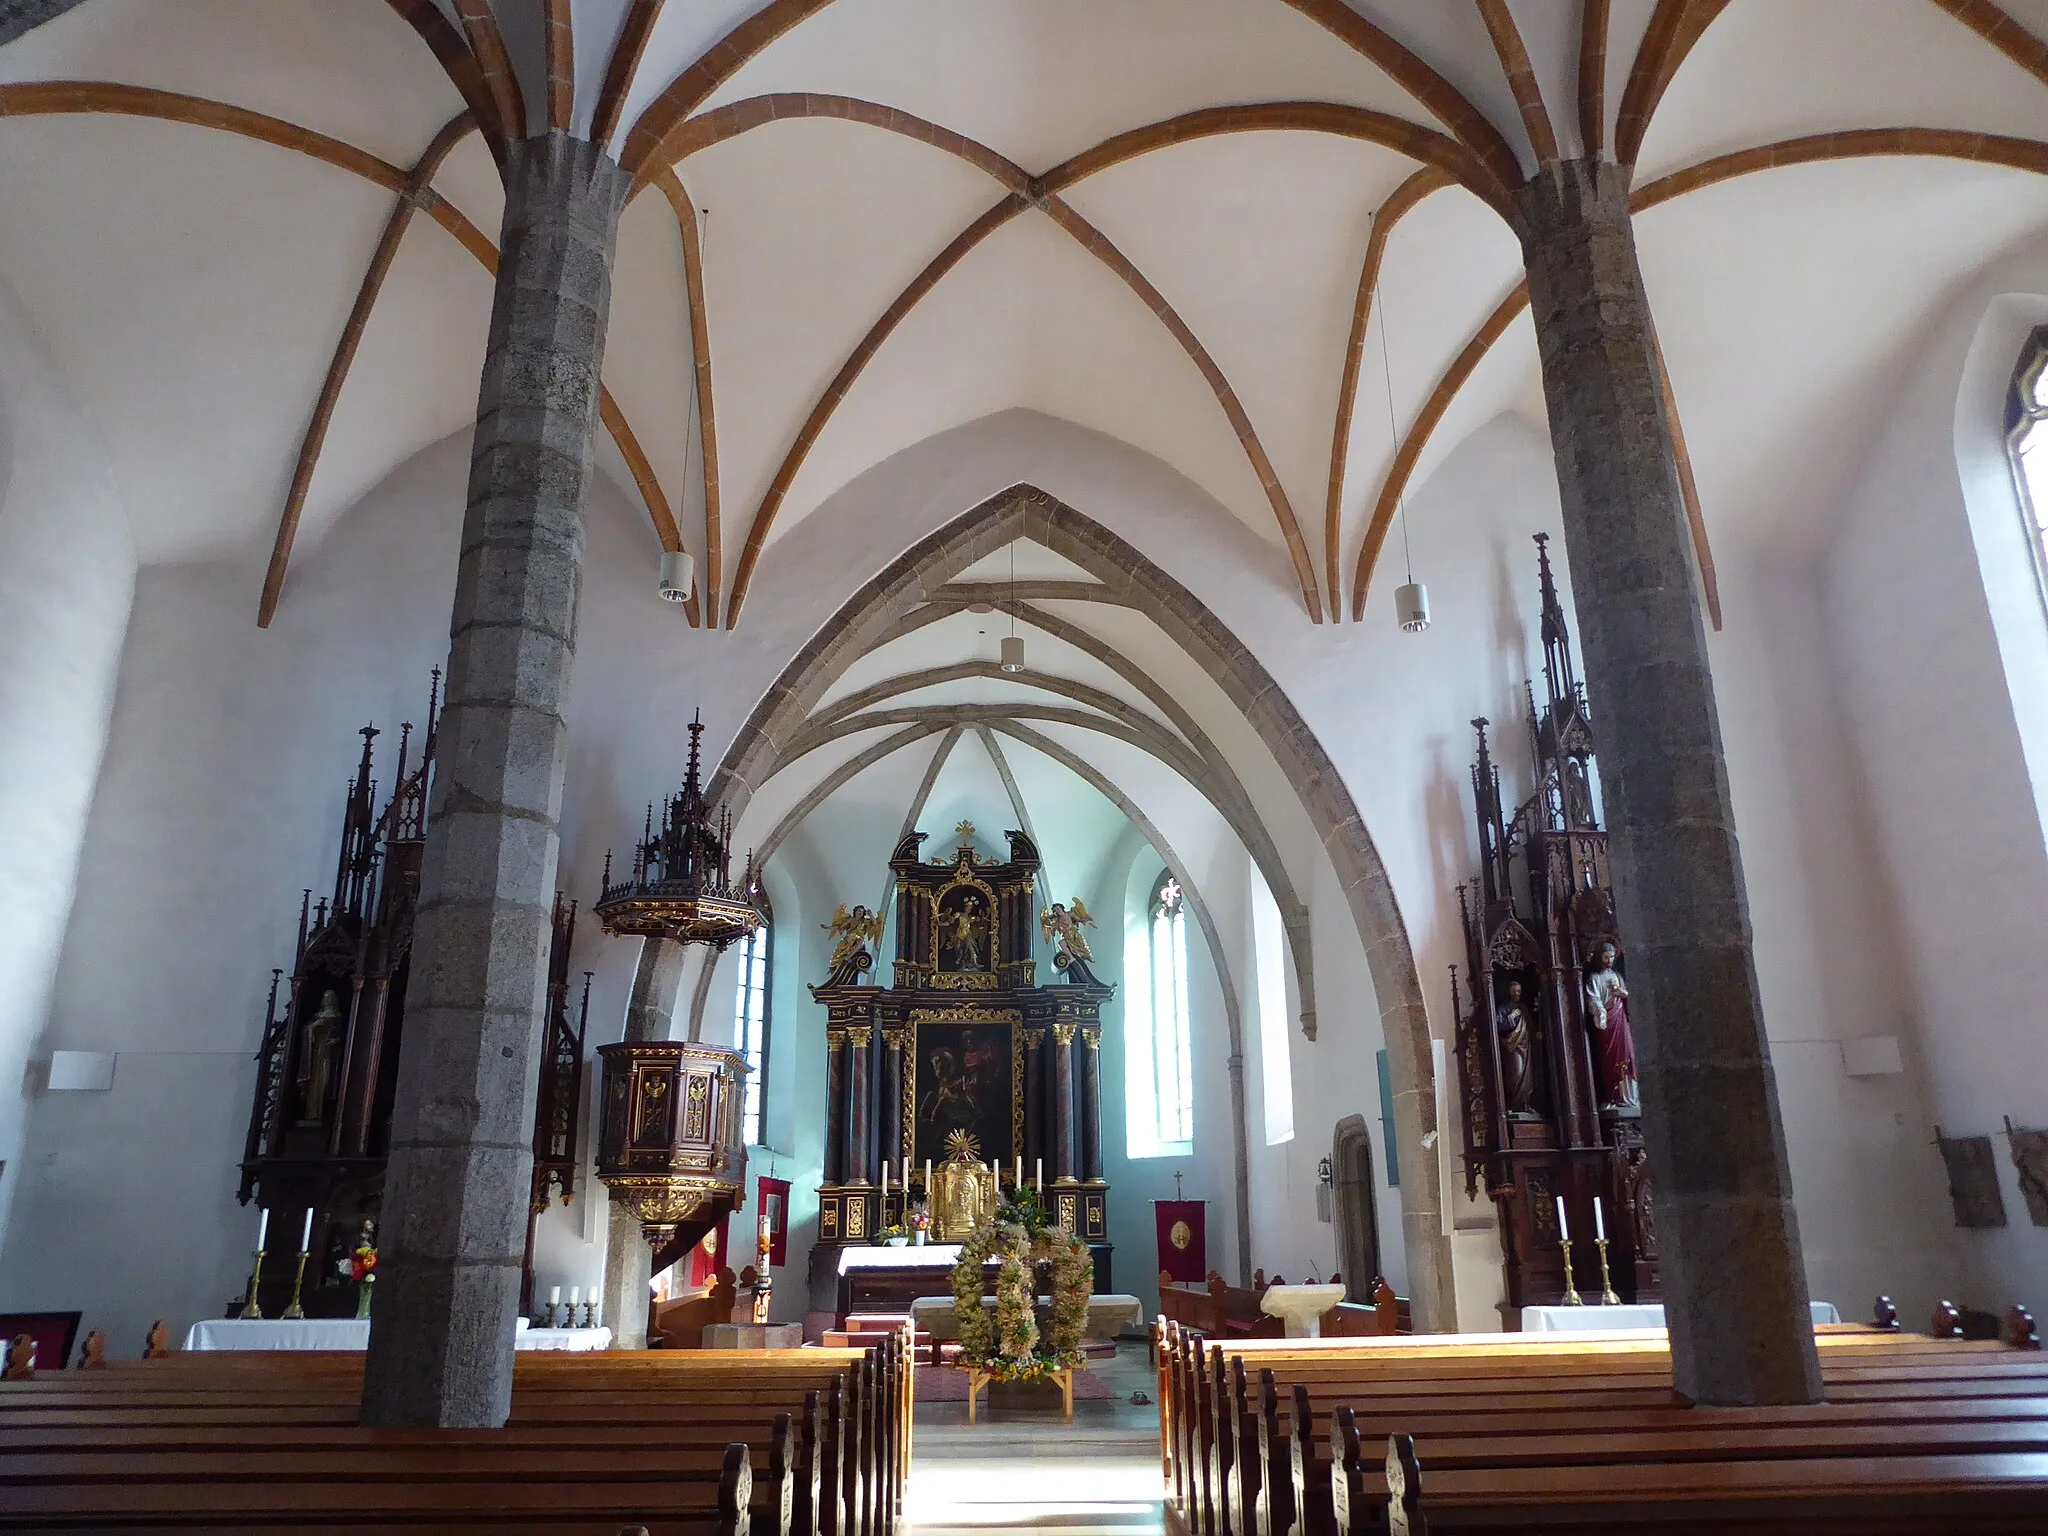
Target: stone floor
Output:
[(1023, 1466)]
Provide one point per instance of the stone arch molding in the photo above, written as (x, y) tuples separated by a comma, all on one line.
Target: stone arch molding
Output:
[(786, 713)]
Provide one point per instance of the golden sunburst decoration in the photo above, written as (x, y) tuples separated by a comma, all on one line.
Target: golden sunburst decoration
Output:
[(961, 1147)]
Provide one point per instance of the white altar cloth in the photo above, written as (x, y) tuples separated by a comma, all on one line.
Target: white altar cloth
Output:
[(349, 1333), (1588, 1319), (910, 1256)]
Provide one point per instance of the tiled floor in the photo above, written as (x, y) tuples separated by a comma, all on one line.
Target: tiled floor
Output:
[(1024, 1467)]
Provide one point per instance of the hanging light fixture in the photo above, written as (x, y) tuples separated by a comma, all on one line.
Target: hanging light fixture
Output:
[(682, 886), (1411, 600), (1013, 643)]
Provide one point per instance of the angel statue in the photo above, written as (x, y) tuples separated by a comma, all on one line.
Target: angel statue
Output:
[(1061, 925), (852, 932)]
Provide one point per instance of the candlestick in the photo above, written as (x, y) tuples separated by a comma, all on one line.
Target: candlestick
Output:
[(1599, 1222), (249, 1308), (1607, 1296), (294, 1310), (1572, 1298)]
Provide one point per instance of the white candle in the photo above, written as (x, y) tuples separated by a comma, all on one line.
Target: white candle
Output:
[(1038, 1175), (575, 1294), (554, 1295), (885, 1181), (1017, 1178), (1599, 1221), (306, 1236), (927, 1178), (1564, 1232), (262, 1224)]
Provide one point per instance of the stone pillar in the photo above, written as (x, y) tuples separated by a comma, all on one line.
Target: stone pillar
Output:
[(1063, 1102), (835, 1106), (1091, 1105), (1733, 1278), (456, 1185), (628, 1261), (628, 1269)]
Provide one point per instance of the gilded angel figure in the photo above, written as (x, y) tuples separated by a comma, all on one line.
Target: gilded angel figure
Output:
[(853, 930), (1062, 924)]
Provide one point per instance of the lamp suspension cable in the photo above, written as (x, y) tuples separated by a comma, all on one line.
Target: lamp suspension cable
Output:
[(1013, 643), (1379, 299), (678, 570), (1411, 603)]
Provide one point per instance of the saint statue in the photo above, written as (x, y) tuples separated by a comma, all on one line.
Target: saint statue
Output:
[(1517, 1077), (960, 930), (1614, 1042), (323, 1043)]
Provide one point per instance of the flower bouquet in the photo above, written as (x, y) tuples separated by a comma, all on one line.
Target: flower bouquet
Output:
[(361, 1267), (919, 1220)]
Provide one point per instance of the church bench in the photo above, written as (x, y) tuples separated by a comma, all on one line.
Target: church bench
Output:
[(1207, 1425), (682, 1507), (700, 1400), (1850, 1495), (1250, 1452)]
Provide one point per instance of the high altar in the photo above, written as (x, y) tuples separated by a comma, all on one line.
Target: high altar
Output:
[(1546, 1062), (964, 1043)]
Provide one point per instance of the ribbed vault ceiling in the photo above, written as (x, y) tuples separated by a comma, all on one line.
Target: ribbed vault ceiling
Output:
[(847, 186)]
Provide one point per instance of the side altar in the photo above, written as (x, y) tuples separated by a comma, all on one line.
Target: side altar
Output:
[(964, 1049), (1546, 1059)]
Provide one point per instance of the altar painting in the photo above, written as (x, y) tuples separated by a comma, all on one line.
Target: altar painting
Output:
[(965, 1075)]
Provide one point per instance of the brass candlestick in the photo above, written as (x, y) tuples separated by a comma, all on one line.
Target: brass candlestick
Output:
[(1572, 1298), (295, 1311), (249, 1308), (1607, 1296)]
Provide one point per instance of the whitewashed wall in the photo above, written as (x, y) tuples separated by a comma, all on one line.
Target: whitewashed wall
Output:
[(1936, 630), (224, 769), (67, 577)]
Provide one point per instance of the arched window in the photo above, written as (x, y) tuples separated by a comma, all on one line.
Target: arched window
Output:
[(750, 1022), (1173, 1080), (2026, 439)]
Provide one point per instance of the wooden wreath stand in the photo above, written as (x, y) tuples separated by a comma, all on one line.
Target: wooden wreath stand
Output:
[(1063, 1378)]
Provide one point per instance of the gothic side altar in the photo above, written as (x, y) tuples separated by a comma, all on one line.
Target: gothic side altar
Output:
[(1546, 1060), (963, 1048)]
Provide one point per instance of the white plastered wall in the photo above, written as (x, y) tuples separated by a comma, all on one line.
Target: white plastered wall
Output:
[(222, 786), (67, 578), (1935, 626)]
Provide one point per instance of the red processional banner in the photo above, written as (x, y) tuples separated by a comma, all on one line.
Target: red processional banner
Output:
[(709, 1256), (771, 1199), (1183, 1230)]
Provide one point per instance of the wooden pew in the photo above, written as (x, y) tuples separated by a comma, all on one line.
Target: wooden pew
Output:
[(1847, 1495), (1220, 1309), (1234, 1466), (589, 1435)]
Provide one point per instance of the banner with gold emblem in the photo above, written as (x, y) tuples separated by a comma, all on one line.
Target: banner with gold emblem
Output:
[(1183, 1229)]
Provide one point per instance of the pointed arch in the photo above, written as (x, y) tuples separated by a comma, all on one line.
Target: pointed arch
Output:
[(1023, 511)]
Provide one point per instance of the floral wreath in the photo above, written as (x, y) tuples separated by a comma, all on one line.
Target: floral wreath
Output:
[(1008, 1346)]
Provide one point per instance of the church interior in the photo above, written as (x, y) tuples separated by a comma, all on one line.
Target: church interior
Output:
[(735, 731)]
